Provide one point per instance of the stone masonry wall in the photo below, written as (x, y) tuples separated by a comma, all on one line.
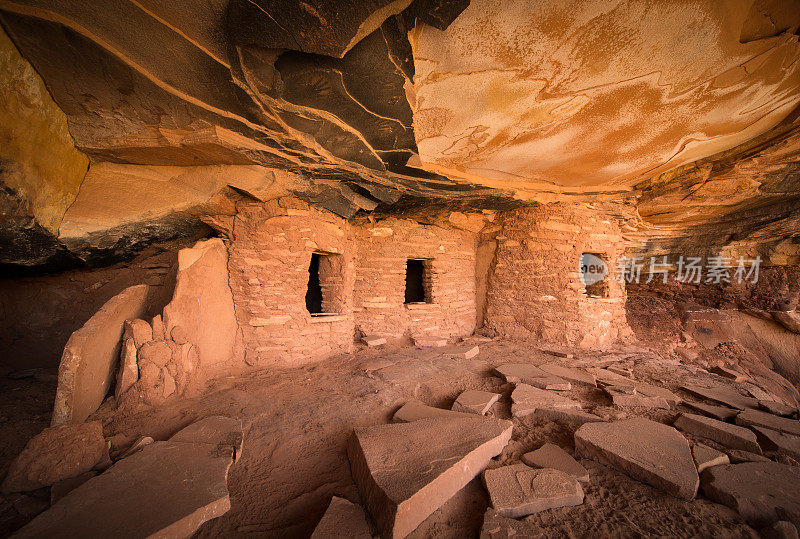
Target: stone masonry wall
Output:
[(270, 253), (535, 287), (383, 250)]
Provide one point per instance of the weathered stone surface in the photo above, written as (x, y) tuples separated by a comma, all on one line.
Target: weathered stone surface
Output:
[(721, 413), (168, 489), (138, 445), (763, 419), (471, 353), (737, 455), (788, 319), (558, 352), (531, 375), (342, 519), (782, 444), (373, 340), (414, 410), (128, 372), (782, 529), (518, 490), (55, 454), (568, 373), (777, 408), (406, 471), (65, 486), (552, 456), (647, 451), (138, 330), (526, 400), (762, 492), (633, 398), (705, 457), (730, 374), (496, 526), (91, 356), (202, 303), (475, 402), (723, 395), (725, 434)]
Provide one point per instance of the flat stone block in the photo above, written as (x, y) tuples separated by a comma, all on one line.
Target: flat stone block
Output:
[(475, 402), (552, 456), (518, 490)]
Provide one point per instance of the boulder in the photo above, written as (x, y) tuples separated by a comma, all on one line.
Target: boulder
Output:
[(342, 519), (567, 373), (758, 418), (762, 492), (414, 410), (518, 490), (725, 434), (782, 529), (56, 454), (705, 457), (722, 413), (648, 451), (168, 489), (723, 395), (202, 304), (526, 400), (552, 456), (128, 372), (475, 402), (138, 330), (65, 486), (90, 358), (406, 471)]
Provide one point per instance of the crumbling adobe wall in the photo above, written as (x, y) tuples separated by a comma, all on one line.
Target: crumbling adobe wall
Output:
[(535, 287), (383, 250), (269, 256)]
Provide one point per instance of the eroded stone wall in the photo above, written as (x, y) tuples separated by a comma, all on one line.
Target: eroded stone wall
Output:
[(269, 261), (535, 287), (384, 248)]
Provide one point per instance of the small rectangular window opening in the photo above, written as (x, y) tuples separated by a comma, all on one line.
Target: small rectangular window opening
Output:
[(594, 275), (325, 284), (417, 281)]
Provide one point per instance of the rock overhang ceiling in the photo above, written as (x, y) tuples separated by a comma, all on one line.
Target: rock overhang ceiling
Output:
[(394, 106)]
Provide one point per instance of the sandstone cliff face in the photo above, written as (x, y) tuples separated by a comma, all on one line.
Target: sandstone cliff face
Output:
[(678, 117)]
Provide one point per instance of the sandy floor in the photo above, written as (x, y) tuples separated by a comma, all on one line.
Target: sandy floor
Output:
[(297, 421)]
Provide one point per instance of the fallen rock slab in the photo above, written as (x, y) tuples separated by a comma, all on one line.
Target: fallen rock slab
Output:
[(406, 471), (777, 408), (56, 454), (552, 456), (475, 402), (647, 451), (567, 373), (522, 373), (430, 342), (415, 410), (168, 489), (781, 444), (782, 529), (65, 486), (723, 395), (706, 457), (471, 352), (518, 490), (762, 492), (342, 519), (737, 456), (721, 413), (631, 397), (763, 419), (372, 341), (730, 374), (725, 434), (558, 352), (526, 400), (91, 355)]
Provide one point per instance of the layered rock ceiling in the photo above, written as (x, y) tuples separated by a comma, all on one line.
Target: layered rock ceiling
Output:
[(134, 121)]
